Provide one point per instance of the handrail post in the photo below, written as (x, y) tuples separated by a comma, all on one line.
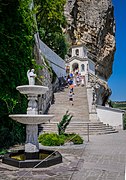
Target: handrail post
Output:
[(88, 131)]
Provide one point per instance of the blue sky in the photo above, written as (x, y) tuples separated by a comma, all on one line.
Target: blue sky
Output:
[(117, 81)]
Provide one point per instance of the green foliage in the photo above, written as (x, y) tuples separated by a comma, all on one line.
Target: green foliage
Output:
[(3, 151), (50, 139), (11, 132), (75, 138), (53, 139), (50, 70), (51, 20), (10, 102), (64, 123), (6, 137), (16, 51), (124, 121), (17, 28), (121, 105), (36, 66), (46, 66)]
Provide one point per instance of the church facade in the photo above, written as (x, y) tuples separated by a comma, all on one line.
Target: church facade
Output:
[(97, 88), (79, 61)]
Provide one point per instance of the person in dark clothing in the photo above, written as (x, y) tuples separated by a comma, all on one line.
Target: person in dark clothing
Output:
[(71, 97)]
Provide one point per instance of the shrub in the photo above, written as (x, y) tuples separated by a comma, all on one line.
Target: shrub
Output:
[(3, 151), (76, 139), (6, 138), (53, 139)]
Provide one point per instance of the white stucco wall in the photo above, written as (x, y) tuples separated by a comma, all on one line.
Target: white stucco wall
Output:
[(91, 65), (111, 116), (82, 51), (56, 62), (89, 97), (79, 65), (88, 64)]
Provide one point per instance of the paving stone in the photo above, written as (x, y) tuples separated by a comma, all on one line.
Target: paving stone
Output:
[(103, 158)]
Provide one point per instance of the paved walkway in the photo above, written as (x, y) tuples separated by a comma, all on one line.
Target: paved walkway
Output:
[(103, 158)]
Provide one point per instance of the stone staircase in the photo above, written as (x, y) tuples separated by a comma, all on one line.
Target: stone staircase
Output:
[(80, 122)]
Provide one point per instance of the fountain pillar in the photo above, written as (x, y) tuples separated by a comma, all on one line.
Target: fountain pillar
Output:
[(32, 145)]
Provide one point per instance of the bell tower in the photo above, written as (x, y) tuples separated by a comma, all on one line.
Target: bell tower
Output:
[(79, 51)]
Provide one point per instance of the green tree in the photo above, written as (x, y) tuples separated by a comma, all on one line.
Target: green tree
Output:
[(16, 52), (51, 20)]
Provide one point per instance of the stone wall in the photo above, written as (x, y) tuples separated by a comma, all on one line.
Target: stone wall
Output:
[(41, 51), (43, 100), (56, 62), (92, 23)]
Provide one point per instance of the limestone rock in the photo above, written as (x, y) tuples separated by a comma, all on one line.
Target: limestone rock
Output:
[(92, 23)]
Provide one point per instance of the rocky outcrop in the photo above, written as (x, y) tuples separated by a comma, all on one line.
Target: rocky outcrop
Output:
[(92, 23)]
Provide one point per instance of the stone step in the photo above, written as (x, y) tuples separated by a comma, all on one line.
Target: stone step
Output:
[(66, 108), (79, 127), (79, 111), (83, 132), (94, 128)]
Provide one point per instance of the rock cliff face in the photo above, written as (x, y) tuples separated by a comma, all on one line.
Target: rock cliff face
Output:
[(92, 23)]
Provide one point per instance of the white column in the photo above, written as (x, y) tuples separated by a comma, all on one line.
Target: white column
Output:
[(31, 144), (91, 105)]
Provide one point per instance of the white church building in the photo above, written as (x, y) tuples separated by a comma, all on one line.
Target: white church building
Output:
[(80, 62), (97, 87)]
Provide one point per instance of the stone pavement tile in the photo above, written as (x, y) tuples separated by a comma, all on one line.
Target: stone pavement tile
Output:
[(102, 159), (24, 173), (106, 155), (93, 174), (59, 171), (3, 176)]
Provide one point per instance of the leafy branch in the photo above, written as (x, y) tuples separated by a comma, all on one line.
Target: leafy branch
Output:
[(10, 103), (64, 123)]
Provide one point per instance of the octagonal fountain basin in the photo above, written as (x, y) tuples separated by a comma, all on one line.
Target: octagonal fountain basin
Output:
[(46, 158), (31, 119), (32, 89)]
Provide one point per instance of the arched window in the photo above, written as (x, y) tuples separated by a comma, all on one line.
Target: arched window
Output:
[(77, 52), (75, 67), (82, 67)]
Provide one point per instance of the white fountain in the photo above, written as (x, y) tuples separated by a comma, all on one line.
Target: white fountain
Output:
[(31, 119)]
